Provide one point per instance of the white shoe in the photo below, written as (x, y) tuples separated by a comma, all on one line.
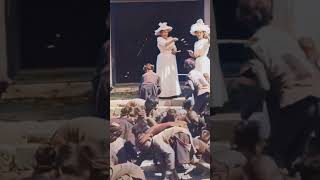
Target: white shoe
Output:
[(188, 168), (186, 177)]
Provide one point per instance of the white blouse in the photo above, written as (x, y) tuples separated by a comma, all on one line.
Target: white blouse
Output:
[(162, 45), (202, 46)]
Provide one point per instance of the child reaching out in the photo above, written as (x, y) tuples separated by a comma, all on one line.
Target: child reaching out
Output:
[(150, 85), (200, 85)]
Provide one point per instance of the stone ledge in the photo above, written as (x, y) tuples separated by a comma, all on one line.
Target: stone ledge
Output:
[(222, 125), (162, 102), (47, 90), (117, 110)]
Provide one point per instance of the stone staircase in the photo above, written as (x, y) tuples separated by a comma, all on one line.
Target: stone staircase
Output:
[(56, 83), (34, 106), (222, 125), (164, 104), (20, 140)]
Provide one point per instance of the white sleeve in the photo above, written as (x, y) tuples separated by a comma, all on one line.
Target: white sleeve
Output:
[(174, 47), (260, 71), (161, 41), (261, 53), (201, 46), (203, 81), (196, 46)]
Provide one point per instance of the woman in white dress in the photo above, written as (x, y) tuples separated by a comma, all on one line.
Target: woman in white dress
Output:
[(166, 67), (201, 47)]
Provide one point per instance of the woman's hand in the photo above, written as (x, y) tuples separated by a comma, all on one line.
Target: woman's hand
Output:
[(191, 53), (206, 36), (175, 39), (174, 52), (171, 40)]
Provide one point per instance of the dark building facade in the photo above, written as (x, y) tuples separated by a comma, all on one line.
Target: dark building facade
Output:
[(133, 42)]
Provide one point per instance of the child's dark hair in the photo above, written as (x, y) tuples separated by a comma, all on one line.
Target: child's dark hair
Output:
[(151, 103), (148, 66), (189, 64), (187, 105), (45, 157), (129, 109), (246, 135), (172, 111)]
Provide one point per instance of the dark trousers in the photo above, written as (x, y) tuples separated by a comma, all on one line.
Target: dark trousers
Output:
[(291, 130), (201, 102)]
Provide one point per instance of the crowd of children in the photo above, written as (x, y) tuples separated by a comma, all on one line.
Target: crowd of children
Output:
[(176, 140)]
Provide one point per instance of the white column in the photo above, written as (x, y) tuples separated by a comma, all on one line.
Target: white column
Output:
[(306, 18), (3, 45), (207, 11), (283, 14)]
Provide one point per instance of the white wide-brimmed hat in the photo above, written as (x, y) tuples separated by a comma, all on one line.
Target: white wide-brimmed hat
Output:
[(199, 26), (162, 26)]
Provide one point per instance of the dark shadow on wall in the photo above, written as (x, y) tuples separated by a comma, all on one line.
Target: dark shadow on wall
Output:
[(133, 26), (59, 33)]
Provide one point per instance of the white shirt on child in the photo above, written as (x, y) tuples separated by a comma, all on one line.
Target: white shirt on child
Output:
[(199, 82)]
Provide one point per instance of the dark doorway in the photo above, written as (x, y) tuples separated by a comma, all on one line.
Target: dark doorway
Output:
[(133, 26), (61, 33), (228, 27), (227, 22)]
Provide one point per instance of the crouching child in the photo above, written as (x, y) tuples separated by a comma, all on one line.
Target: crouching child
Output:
[(150, 83)]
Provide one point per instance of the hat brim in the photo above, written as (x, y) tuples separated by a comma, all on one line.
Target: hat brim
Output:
[(157, 32), (196, 28)]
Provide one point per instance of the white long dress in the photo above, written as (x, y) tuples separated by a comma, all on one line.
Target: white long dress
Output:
[(167, 70), (202, 62)]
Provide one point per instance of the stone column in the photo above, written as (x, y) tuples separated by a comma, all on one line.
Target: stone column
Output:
[(217, 85), (283, 12), (3, 43), (306, 17), (207, 11)]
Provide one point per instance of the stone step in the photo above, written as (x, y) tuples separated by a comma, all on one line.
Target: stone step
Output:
[(20, 132), (50, 83), (34, 76), (162, 102), (221, 152), (47, 90), (126, 88), (222, 125), (117, 110), (43, 109), (21, 156)]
